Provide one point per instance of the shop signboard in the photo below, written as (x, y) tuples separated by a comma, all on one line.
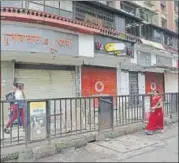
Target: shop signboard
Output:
[(110, 46), (37, 40)]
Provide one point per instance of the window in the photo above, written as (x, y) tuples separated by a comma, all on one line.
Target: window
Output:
[(119, 23), (163, 5), (175, 43), (164, 23), (103, 2), (11, 4), (94, 15), (128, 8), (110, 3), (36, 5), (52, 7), (157, 36), (161, 60), (165, 39), (176, 4), (143, 58)]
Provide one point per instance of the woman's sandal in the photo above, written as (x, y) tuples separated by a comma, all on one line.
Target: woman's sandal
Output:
[(149, 133), (7, 131)]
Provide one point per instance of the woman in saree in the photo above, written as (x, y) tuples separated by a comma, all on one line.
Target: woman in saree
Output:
[(156, 118)]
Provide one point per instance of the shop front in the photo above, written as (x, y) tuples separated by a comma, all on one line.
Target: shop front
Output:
[(42, 59), (98, 81), (154, 81), (171, 82), (154, 76), (171, 77)]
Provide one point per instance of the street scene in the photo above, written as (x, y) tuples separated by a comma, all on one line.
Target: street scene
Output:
[(71, 68), (130, 148)]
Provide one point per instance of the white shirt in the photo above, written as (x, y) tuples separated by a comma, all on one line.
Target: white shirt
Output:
[(19, 95)]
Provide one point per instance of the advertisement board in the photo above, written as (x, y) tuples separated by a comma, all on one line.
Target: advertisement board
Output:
[(110, 46), (38, 119)]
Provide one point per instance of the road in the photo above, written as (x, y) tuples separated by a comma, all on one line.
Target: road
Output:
[(130, 148)]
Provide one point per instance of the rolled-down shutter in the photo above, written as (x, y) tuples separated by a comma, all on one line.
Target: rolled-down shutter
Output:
[(171, 83), (41, 84)]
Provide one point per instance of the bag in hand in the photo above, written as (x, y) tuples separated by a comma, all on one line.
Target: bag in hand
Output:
[(10, 97)]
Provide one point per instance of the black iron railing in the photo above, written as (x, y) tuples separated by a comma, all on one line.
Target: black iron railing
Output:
[(46, 119)]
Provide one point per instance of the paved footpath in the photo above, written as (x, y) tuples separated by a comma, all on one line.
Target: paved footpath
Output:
[(130, 148)]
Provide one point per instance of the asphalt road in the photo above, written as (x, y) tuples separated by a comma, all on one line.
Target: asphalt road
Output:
[(130, 148)]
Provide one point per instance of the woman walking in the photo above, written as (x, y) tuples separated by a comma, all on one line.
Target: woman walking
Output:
[(18, 107), (156, 118)]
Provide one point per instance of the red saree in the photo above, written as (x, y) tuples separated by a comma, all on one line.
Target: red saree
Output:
[(156, 118)]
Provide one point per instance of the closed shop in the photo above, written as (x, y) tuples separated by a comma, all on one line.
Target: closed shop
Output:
[(154, 81), (45, 81), (133, 87), (141, 83), (123, 82), (7, 77), (171, 82), (98, 81)]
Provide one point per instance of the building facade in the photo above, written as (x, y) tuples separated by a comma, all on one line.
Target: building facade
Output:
[(71, 49)]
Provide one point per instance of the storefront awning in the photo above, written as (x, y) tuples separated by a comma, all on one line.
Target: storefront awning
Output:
[(153, 44), (161, 68)]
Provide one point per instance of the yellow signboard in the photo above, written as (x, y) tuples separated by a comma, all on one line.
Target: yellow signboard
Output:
[(38, 119), (114, 47), (110, 47), (37, 107)]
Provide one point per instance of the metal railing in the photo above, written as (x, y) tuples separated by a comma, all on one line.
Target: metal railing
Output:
[(46, 119)]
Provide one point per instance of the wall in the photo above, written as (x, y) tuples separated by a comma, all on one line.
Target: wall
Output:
[(154, 52), (86, 45), (171, 15)]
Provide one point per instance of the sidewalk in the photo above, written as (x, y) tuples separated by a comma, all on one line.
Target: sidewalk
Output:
[(136, 147), (37, 150)]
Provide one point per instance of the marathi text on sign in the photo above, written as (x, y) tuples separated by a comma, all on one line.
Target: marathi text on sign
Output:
[(36, 39)]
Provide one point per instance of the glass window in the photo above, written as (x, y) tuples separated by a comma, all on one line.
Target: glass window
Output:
[(36, 5), (55, 4), (52, 10), (157, 36), (11, 4), (128, 8)]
